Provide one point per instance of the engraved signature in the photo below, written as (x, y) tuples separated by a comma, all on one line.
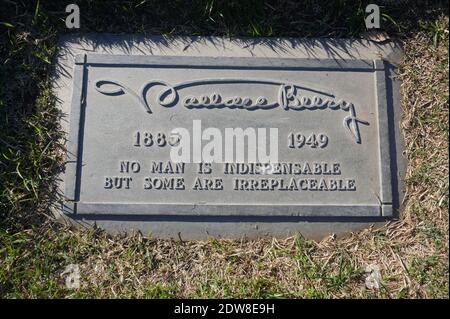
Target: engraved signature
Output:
[(288, 98)]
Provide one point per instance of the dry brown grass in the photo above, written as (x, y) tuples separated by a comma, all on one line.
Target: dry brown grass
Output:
[(412, 253)]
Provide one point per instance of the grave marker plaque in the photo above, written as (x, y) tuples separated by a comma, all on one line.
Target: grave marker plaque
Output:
[(161, 138)]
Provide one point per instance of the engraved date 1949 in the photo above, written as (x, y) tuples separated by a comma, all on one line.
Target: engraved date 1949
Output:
[(313, 140)]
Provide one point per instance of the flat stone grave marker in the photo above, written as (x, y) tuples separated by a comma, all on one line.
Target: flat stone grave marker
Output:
[(225, 144)]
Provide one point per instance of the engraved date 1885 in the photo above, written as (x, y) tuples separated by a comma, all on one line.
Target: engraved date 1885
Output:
[(160, 139)]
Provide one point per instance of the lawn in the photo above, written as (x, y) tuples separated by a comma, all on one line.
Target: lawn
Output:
[(411, 253)]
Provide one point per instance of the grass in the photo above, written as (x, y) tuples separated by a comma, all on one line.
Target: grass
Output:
[(411, 253)]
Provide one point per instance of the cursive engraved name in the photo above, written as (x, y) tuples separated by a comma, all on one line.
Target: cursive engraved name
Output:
[(288, 98)]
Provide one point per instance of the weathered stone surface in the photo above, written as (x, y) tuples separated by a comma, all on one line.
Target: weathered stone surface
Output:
[(332, 107)]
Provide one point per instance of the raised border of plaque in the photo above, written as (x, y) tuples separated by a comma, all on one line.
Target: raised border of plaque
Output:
[(73, 166)]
